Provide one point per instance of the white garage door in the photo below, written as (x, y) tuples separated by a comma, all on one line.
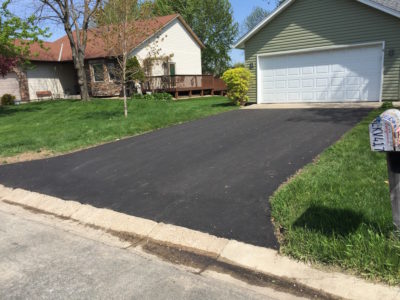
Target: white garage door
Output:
[(9, 85), (351, 74)]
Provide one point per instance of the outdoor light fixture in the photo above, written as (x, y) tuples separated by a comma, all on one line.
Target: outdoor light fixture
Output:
[(391, 52), (251, 66)]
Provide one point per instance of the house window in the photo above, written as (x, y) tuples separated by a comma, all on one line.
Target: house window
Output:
[(98, 72), (112, 71), (172, 69)]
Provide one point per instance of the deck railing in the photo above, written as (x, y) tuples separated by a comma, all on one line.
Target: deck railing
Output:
[(176, 83)]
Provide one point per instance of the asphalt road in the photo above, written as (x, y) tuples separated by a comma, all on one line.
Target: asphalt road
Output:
[(38, 261), (214, 175)]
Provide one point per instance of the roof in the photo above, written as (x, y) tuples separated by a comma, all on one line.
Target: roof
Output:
[(391, 4), (391, 7), (60, 50)]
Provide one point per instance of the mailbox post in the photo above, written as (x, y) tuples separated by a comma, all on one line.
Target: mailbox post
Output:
[(385, 137)]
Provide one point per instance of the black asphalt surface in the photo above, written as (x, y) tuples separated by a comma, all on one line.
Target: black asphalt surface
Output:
[(214, 175)]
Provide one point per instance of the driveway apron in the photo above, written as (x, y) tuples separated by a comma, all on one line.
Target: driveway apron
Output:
[(213, 175)]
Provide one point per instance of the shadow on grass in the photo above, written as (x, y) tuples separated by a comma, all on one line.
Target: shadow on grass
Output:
[(331, 221), (12, 110), (224, 104), (102, 115)]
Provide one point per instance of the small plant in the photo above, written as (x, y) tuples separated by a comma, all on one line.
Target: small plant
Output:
[(7, 99), (237, 81)]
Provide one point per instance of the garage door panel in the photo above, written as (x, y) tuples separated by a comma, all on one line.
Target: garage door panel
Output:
[(352, 74)]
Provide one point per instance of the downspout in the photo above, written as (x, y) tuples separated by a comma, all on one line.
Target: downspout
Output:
[(61, 51)]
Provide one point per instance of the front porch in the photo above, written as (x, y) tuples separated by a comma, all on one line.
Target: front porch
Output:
[(185, 84)]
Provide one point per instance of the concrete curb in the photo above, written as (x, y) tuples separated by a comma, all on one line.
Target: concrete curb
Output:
[(251, 257)]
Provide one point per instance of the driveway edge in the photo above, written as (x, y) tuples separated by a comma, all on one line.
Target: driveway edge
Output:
[(236, 253)]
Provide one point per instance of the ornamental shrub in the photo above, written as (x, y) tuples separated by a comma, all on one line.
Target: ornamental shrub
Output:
[(237, 81), (7, 99)]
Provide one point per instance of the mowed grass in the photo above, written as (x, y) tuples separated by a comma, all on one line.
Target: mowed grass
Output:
[(65, 125), (337, 211)]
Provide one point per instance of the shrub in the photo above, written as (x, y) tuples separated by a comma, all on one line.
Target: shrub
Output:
[(7, 99), (155, 96), (237, 81), (134, 70)]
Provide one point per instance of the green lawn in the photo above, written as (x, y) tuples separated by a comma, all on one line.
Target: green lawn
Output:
[(65, 125), (337, 211)]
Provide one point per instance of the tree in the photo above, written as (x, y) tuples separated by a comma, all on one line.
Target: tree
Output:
[(75, 16), (15, 37), (256, 16), (212, 21), (121, 23)]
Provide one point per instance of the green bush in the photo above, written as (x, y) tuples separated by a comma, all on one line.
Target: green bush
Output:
[(134, 70), (237, 81), (155, 96), (7, 99)]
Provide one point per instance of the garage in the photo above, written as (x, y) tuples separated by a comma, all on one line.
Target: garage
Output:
[(337, 74), (325, 51), (9, 85)]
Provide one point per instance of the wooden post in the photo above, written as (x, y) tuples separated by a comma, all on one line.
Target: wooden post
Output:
[(393, 162), (212, 92), (190, 93), (176, 94), (202, 93)]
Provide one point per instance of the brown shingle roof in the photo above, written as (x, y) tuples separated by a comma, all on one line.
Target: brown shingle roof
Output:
[(60, 50)]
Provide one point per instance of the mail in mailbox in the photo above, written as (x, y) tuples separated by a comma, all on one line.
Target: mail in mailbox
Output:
[(384, 132)]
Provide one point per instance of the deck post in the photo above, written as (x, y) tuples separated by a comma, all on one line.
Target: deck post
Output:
[(176, 94), (212, 92), (190, 93), (202, 93)]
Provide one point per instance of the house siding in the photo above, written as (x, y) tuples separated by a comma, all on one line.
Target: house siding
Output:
[(58, 78), (176, 40), (320, 23)]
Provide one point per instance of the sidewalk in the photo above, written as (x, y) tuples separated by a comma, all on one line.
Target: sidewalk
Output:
[(211, 250)]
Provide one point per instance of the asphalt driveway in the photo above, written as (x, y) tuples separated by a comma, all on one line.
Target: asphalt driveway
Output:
[(214, 175)]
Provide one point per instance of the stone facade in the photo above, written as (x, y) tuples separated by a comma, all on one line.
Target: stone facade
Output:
[(23, 83), (105, 87)]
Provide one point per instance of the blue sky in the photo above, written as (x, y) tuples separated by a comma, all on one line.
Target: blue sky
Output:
[(241, 9)]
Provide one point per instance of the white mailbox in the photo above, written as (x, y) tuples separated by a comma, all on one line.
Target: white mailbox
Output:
[(384, 132)]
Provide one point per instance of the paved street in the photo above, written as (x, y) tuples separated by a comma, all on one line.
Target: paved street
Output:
[(42, 261), (213, 175)]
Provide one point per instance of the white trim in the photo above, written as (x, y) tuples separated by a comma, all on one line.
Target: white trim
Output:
[(324, 48), (382, 71), (281, 8), (259, 91), (318, 49)]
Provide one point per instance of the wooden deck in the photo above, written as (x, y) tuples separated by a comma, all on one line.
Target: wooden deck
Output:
[(178, 84)]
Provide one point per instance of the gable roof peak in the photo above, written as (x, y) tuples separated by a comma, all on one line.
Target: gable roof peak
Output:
[(391, 7)]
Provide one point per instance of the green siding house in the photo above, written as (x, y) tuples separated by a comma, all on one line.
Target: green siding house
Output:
[(326, 51)]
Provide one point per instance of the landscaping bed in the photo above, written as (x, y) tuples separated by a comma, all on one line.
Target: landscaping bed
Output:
[(65, 125), (337, 210)]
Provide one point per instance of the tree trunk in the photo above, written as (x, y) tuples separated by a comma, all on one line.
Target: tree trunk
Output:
[(82, 79), (125, 100)]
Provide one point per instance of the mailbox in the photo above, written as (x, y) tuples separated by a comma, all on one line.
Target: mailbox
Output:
[(384, 134)]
